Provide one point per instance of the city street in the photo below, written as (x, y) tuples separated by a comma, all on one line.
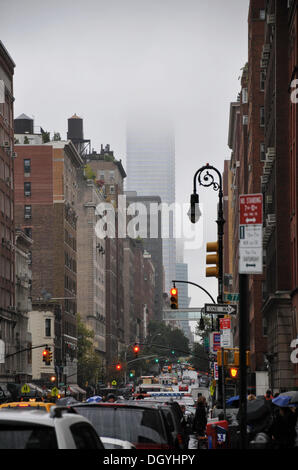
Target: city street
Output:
[(149, 228)]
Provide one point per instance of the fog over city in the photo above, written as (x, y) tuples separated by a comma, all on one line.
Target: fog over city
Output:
[(108, 59)]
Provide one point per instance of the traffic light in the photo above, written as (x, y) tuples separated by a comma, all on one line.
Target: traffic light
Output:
[(212, 271), (170, 368), (156, 360), (219, 358), (45, 356), (118, 366), (136, 350), (174, 298), (50, 356), (233, 372), (173, 352), (131, 374)]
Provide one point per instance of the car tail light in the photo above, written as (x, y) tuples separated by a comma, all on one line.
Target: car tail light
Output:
[(179, 438)]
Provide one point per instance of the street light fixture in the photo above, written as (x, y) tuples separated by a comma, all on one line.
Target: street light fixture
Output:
[(206, 178)]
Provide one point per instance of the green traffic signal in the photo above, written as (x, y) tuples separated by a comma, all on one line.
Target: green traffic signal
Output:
[(156, 360)]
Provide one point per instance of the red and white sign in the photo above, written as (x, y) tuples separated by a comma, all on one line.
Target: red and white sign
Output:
[(251, 209), (215, 371), (225, 323)]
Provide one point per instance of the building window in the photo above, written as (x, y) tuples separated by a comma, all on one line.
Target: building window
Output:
[(28, 231), (262, 116), (244, 95), (262, 152), (27, 189), (262, 14), (48, 322), (262, 80), (27, 212), (27, 167)]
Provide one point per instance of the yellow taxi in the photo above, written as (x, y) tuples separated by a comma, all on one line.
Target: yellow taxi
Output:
[(40, 405)]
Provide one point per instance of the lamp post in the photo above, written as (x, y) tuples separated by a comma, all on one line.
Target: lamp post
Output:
[(205, 177)]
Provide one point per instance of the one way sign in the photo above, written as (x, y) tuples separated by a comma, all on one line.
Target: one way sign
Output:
[(220, 309)]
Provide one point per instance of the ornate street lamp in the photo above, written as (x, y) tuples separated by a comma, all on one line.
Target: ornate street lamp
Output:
[(205, 177)]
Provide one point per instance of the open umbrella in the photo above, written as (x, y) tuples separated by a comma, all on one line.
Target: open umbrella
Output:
[(286, 399), (95, 399), (232, 400)]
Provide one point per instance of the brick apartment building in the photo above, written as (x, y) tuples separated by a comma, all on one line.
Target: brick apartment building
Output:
[(262, 138), (110, 174), (293, 148), (45, 209), (139, 290), (8, 315), (91, 261)]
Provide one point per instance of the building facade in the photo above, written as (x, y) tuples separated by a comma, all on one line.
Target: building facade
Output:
[(109, 175), (45, 208), (8, 315), (150, 166)]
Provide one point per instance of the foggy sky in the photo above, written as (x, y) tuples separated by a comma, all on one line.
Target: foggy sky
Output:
[(102, 59)]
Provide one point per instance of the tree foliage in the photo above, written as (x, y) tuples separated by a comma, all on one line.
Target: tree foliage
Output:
[(90, 366)]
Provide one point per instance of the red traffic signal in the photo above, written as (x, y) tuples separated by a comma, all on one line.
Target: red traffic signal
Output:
[(136, 349), (118, 366), (45, 355)]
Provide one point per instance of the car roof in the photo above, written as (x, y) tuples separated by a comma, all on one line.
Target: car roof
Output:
[(39, 416), (122, 404)]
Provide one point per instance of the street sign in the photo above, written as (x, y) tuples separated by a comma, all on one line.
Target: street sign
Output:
[(251, 209), (114, 382), (225, 323), (220, 309), (214, 341), (215, 371), (25, 389), (54, 392), (230, 297), (251, 234), (251, 261)]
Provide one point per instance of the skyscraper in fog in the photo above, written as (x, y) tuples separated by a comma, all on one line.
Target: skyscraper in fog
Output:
[(150, 167)]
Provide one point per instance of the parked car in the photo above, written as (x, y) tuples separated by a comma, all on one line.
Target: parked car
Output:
[(28, 405), (175, 419), (35, 429), (145, 427), (111, 443), (5, 394)]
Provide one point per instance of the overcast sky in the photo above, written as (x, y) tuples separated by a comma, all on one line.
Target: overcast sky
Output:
[(102, 58)]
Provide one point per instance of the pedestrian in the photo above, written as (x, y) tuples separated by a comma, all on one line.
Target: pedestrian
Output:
[(283, 429), (111, 398), (268, 395), (251, 397), (200, 419)]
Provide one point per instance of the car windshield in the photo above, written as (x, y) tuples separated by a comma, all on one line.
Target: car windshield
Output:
[(135, 425), (27, 436)]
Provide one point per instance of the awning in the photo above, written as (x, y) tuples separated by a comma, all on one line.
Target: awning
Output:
[(74, 388), (35, 387)]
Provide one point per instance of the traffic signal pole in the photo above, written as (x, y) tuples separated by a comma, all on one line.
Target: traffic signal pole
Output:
[(243, 318)]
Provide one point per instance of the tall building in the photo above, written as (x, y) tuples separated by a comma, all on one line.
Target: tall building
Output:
[(45, 209), (153, 245), (91, 263), (109, 174), (293, 127), (8, 315), (150, 166)]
